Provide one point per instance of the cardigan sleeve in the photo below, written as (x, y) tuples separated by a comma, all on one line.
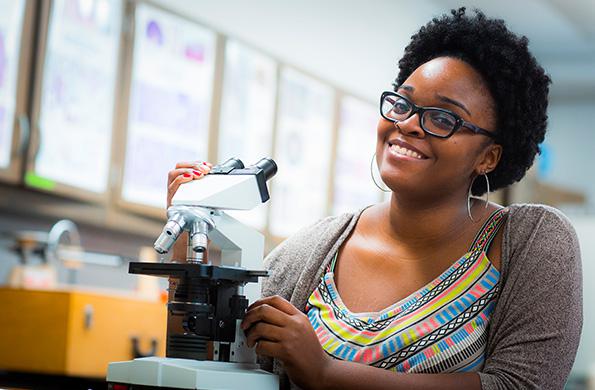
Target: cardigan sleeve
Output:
[(288, 260), (281, 263), (289, 263), (536, 326), (295, 263)]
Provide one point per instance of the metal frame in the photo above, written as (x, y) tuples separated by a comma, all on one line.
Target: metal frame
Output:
[(21, 136), (36, 92)]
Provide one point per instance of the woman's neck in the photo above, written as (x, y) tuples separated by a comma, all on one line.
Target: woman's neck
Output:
[(426, 225)]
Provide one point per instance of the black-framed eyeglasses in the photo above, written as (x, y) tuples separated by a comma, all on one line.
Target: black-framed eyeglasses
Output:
[(433, 120)]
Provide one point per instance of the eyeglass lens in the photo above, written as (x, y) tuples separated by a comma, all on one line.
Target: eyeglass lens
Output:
[(434, 121)]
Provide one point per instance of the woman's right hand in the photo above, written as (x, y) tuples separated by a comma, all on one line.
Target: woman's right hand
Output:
[(183, 173)]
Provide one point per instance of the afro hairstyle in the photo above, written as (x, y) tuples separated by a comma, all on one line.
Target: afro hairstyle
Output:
[(517, 83)]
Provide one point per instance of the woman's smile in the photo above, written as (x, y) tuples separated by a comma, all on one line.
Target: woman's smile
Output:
[(402, 150)]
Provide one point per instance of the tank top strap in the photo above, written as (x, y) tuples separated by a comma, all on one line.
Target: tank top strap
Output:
[(331, 266), (488, 231), (482, 240)]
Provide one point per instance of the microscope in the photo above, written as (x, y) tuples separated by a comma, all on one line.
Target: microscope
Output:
[(209, 292)]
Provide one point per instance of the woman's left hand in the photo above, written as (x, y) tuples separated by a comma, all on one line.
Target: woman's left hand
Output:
[(281, 331)]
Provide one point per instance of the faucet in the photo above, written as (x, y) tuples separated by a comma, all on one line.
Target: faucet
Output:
[(55, 235)]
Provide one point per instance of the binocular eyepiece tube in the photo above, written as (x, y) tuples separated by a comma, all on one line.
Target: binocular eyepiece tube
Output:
[(267, 165)]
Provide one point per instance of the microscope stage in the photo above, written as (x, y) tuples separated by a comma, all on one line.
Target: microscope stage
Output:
[(205, 271)]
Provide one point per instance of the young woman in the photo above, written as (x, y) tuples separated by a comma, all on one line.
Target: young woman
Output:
[(435, 288)]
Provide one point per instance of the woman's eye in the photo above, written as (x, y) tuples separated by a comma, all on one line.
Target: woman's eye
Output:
[(443, 120), (401, 107)]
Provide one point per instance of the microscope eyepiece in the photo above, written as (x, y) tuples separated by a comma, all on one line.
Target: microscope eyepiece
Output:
[(268, 166), (233, 163)]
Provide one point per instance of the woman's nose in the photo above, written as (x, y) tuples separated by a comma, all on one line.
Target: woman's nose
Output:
[(411, 126)]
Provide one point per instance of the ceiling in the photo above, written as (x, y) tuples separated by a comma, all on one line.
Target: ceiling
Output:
[(355, 45)]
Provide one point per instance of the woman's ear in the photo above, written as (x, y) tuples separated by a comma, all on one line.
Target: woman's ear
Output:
[(489, 158)]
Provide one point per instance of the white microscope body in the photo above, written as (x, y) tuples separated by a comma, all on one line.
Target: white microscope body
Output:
[(210, 291)]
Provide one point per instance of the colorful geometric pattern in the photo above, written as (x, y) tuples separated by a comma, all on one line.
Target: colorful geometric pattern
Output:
[(442, 327)]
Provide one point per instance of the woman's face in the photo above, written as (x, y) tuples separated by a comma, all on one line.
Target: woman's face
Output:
[(446, 165)]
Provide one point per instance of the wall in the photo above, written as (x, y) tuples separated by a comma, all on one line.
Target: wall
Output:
[(571, 140), (585, 360)]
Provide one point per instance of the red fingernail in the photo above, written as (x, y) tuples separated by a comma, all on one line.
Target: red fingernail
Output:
[(197, 173), (187, 175), (204, 163)]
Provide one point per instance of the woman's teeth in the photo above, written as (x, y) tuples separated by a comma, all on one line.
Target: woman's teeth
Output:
[(405, 152)]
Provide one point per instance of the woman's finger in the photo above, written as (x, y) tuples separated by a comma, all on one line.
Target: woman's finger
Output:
[(172, 188), (180, 179), (270, 348), (174, 173), (264, 313), (263, 331), (193, 164), (278, 302), (179, 176), (196, 169)]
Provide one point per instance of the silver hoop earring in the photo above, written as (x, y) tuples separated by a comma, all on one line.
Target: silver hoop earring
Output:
[(469, 196), (373, 178)]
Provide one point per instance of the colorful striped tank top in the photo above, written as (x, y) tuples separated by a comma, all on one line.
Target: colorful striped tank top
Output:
[(442, 327)]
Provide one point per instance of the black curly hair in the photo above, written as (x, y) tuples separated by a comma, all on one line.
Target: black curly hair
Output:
[(517, 83)]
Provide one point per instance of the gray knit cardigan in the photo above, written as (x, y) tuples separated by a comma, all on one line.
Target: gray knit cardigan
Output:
[(535, 328)]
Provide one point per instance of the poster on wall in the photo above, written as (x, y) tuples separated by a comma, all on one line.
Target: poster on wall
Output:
[(247, 113), (170, 101), (356, 144), (78, 94), (303, 149), (11, 24)]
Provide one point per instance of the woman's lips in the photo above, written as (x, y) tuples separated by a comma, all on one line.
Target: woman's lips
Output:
[(403, 149)]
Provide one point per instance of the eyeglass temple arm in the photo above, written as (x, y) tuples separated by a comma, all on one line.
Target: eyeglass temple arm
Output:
[(478, 130)]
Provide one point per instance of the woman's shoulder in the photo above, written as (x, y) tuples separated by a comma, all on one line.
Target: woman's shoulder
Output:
[(539, 303), (527, 218), (301, 243), (537, 233)]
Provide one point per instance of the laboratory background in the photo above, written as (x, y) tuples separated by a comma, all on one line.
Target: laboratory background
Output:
[(100, 98)]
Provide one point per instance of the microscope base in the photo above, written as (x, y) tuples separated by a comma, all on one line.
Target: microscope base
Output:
[(158, 372)]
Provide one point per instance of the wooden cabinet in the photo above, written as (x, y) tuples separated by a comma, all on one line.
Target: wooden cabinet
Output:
[(75, 333)]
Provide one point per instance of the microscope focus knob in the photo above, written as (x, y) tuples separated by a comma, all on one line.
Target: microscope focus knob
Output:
[(238, 305), (189, 323)]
